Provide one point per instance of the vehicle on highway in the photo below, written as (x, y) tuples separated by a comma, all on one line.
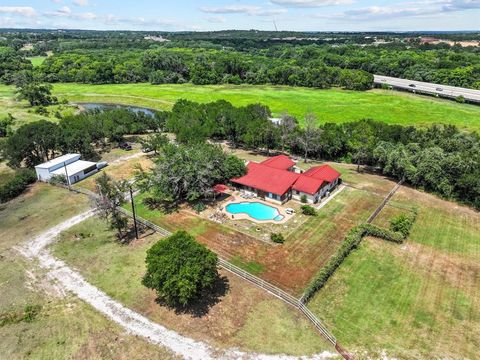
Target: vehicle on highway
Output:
[(439, 89), (412, 85)]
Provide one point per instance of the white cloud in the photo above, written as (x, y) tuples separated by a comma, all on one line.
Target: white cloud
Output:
[(80, 2), (310, 3), (216, 19), (242, 9), (27, 11)]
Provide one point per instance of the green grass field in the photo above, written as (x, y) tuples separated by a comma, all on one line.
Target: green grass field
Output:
[(65, 327), (37, 60), (245, 316), (23, 113), (416, 300), (333, 105)]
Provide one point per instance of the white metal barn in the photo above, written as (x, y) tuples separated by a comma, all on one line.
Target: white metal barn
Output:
[(68, 165)]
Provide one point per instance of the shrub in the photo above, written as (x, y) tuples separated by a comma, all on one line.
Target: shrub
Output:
[(308, 210), (277, 238), (17, 185), (351, 241), (303, 199), (460, 99), (199, 207), (58, 180), (180, 269), (403, 223)]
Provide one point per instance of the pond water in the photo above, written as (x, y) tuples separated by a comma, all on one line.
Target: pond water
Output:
[(255, 210), (100, 106)]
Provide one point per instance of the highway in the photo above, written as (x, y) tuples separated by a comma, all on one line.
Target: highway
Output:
[(428, 88)]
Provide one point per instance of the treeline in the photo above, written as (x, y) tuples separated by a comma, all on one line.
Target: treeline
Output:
[(200, 67), (441, 159), (40, 141)]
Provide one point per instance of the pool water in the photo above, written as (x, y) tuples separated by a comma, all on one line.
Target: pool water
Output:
[(255, 210)]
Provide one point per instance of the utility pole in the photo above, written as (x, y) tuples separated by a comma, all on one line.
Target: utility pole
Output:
[(66, 174), (133, 211)]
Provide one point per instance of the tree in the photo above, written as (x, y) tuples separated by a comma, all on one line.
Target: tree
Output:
[(37, 94), (287, 127), (188, 172), (6, 125), (111, 195), (31, 144), (180, 269), (309, 135), (154, 142)]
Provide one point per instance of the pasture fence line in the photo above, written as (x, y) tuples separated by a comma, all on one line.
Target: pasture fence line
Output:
[(265, 285), (384, 202)]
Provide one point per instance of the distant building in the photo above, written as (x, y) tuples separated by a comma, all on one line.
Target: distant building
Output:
[(70, 166), (276, 180)]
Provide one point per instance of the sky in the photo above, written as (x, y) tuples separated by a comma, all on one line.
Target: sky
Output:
[(298, 15)]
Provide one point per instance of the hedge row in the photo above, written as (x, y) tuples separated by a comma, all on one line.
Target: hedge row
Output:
[(351, 241), (17, 185)]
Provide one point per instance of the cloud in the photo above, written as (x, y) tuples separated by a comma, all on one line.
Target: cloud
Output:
[(27, 11), (418, 8), (311, 3), (216, 19), (80, 2), (461, 5), (383, 12), (66, 12), (251, 10)]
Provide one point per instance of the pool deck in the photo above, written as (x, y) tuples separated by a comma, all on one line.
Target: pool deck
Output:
[(236, 198)]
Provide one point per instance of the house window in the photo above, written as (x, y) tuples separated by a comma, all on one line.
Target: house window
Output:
[(297, 192)]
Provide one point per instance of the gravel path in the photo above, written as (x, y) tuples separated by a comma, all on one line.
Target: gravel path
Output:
[(134, 323)]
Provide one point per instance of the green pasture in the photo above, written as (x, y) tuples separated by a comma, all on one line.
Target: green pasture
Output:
[(332, 105)]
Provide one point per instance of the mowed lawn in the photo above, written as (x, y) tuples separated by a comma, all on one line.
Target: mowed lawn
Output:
[(416, 300), (332, 105), (242, 316), (65, 327)]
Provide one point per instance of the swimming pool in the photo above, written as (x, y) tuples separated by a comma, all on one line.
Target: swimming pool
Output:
[(255, 210)]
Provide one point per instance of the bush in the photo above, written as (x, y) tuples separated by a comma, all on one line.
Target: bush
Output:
[(403, 224), (17, 185), (180, 269), (460, 99), (303, 199), (351, 241), (58, 180), (199, 207), (308, 210), (277, 238)]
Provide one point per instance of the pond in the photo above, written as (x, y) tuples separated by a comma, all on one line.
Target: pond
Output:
[(255, 210), (101, 106)]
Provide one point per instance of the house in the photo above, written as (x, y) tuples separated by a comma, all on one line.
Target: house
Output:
[(276, 180), (70, 166)]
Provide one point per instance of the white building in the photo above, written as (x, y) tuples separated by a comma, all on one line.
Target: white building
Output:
[(70, 166)]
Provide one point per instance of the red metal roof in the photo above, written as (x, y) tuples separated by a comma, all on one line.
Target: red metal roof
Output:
[(308, 185), (267, 178), (323, 172), (282, 162), (219, 188)]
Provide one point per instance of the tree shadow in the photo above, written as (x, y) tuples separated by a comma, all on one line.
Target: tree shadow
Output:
[(207, 299)]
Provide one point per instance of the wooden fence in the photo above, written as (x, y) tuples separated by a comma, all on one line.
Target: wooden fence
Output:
[(272, 289)]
